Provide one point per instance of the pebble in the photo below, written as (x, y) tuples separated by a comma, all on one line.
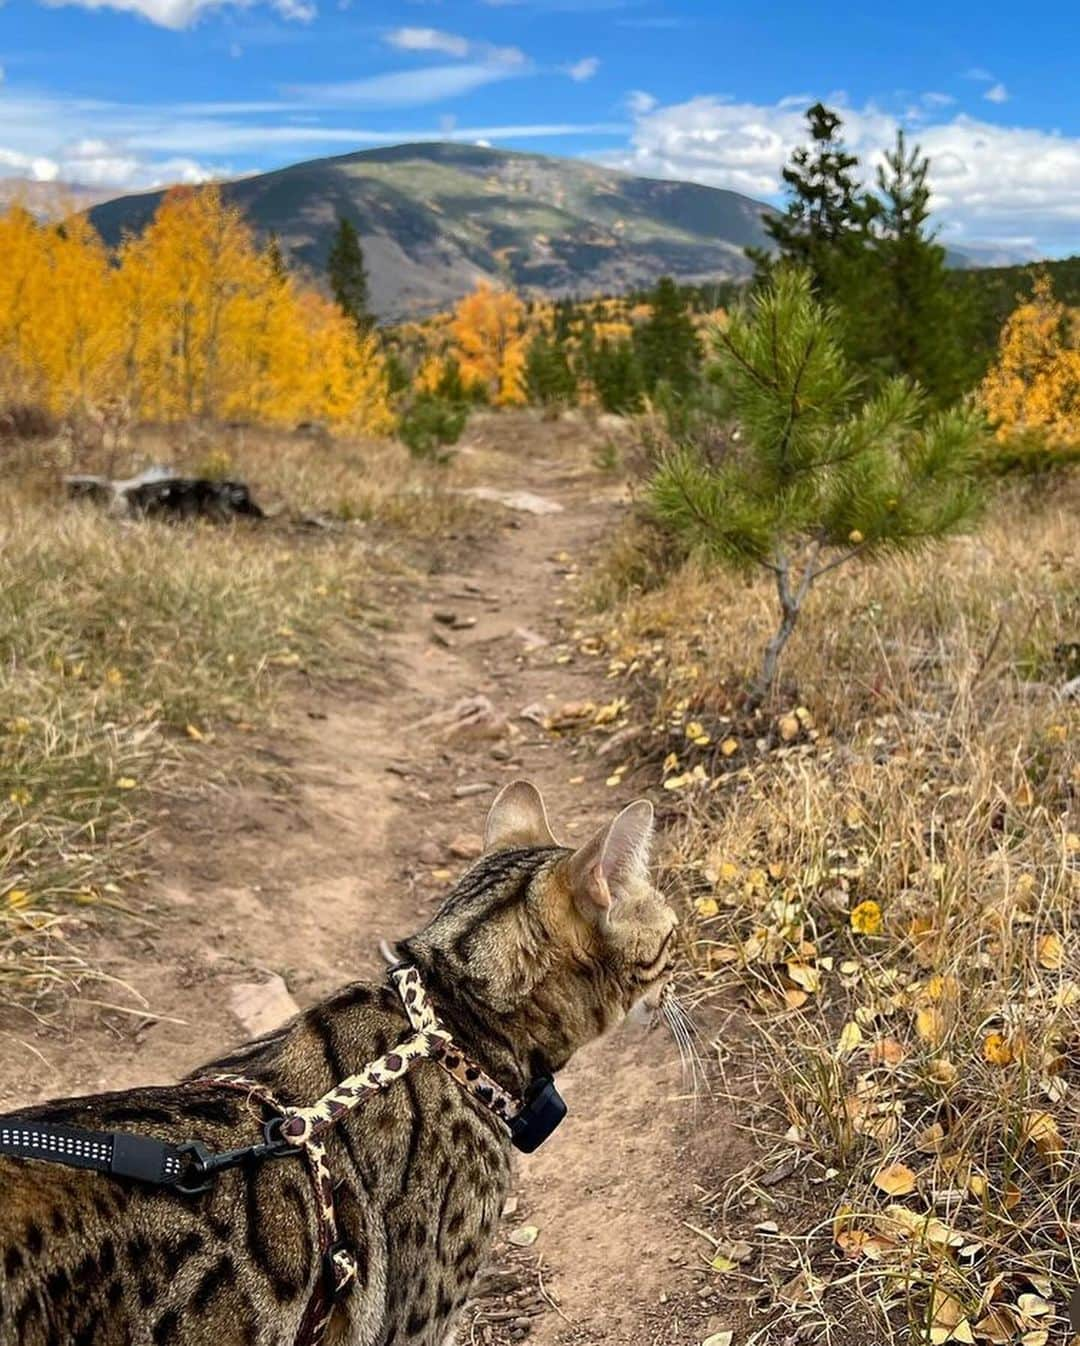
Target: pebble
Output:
[(429, 853), (479, 788), (467, 846)]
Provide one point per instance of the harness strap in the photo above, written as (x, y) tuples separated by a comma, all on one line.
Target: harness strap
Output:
[(339, 1262), (430, 1042)]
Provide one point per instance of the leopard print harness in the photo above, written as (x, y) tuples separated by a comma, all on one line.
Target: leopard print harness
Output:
[(304, 1129)]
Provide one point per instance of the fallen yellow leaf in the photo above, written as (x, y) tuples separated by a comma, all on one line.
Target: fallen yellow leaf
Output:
[(895, 1180), (930, 1024), (887, 1052), (997, 1050), (802, 974), (866, 919), (850, 1038), (1050, 950), (942, 1071)]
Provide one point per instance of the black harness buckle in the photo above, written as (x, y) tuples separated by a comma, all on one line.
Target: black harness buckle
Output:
[(541, 1112)]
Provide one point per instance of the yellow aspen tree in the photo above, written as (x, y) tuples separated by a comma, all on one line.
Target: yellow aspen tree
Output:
[(23, 287), (194, 320), (1035, 384), (138, 354), (78, 337), (489, 342), (430, 374), (346, 383), (198, 256)]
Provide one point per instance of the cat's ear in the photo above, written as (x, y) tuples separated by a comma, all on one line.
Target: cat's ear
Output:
[(517, 818), (612, 860)]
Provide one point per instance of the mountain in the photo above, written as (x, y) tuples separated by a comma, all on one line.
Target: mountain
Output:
[(436, 218), (977, 256), (48, 200)]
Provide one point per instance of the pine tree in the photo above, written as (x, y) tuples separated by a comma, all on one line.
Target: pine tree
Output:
[(348, 276), (616, 376), (275, 258), (911, 321), (666, 344), (549, 379), (821, 475), (826, 223)]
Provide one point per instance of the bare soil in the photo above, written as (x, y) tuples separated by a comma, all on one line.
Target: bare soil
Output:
[(341, 836)]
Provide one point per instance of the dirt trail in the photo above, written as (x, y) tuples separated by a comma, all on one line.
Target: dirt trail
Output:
[(304, 882)]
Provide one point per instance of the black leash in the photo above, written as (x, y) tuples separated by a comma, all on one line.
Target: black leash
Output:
[(188, 1168)]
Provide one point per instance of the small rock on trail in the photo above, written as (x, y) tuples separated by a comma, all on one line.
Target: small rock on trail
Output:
[(522, 502)]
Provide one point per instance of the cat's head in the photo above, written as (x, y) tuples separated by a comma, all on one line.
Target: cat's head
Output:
[(561, 942)]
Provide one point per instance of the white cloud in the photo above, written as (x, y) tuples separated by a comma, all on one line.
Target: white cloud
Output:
[(584, 69), (638, 102), (938, 99), (997, 93), (977, 73), (989, 181), (403, 88), (103, 163), (137, 146), (428, 39), (36, 167), (453, 44), (178, 14)]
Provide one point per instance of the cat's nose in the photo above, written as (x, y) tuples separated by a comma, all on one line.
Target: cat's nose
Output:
[(654, 996)]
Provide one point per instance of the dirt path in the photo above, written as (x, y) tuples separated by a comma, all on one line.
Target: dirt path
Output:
[(303, 881)]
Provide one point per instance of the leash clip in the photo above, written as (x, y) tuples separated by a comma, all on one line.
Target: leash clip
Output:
[(541, 1112), (204, 1165)]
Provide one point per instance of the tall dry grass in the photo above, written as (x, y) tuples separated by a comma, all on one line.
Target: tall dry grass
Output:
[(882, 869)]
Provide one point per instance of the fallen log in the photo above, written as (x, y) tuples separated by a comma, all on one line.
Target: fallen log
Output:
[(159, 492)]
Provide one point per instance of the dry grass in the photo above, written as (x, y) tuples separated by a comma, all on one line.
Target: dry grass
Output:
[(127, 647), (888, 882)]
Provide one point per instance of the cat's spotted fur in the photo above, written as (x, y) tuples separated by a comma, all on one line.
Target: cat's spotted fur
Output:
[(535, 952)]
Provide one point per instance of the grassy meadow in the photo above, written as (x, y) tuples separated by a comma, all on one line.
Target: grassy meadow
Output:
[(880, 867)]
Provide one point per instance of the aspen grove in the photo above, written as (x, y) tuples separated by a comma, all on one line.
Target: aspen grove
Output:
[(190, 320)]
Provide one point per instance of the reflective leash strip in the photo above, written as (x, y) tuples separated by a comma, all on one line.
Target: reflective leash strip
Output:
[(118, 1153)]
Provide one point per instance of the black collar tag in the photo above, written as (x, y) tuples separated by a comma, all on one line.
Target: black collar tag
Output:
[(540, 1114)]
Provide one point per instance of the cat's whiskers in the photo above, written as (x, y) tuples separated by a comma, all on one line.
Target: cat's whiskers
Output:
[(683, 1030)]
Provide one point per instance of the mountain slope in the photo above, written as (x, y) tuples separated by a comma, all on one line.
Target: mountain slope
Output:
[(50, 200), (435, 218)]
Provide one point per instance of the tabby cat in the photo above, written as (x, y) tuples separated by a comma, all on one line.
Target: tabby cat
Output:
[(536, 951)]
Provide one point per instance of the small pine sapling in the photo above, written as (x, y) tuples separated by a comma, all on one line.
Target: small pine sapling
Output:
[(820, 475)]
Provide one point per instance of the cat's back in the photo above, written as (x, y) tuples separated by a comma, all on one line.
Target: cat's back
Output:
[(88, 1259)]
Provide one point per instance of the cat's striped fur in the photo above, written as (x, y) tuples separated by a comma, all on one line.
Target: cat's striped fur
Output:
[(535, 952)]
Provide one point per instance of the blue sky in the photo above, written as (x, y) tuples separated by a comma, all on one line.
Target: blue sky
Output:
[(131, 93)]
